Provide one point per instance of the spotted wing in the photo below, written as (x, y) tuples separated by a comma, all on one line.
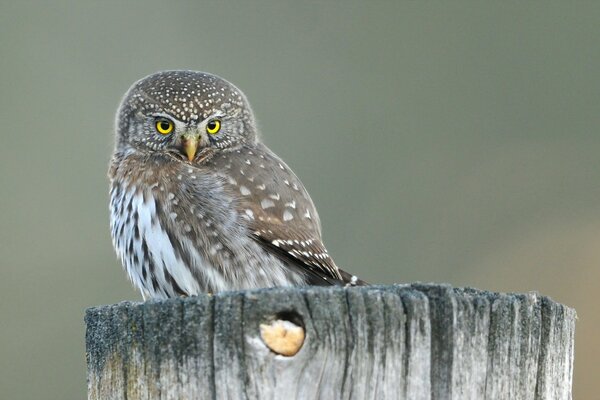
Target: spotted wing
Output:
[(279, 211), (304, 250), (309, 255)]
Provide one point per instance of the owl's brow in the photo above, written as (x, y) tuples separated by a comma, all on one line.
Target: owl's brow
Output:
[(159, 114), (154, 100), (147, 97), (236, 112)]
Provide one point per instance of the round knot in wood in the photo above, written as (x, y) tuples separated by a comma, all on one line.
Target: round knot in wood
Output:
[(282, 337)]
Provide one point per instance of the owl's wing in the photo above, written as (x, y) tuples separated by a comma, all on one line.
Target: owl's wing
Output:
[(302, 247), (301, 251), (280, 213)]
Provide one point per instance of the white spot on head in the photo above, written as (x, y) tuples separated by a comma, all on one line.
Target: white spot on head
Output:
[(261, 187), (307, 214), (291, 204), (275, 196), (287, 215)]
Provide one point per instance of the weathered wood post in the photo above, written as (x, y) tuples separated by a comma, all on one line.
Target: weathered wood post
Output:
[(380, 342)]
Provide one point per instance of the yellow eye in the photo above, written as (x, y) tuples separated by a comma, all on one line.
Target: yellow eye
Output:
[(164, 126), (213, 126)]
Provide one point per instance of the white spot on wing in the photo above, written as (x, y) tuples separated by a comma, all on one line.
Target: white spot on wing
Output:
[(244, 190), (266, 203), (287, 215)]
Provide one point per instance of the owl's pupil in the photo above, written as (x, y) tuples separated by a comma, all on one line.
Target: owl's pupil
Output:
[(164, 125), (212, 125)]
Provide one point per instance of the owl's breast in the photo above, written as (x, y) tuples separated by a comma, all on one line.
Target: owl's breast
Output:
[(182, 230), (157, 262), (167, 218)]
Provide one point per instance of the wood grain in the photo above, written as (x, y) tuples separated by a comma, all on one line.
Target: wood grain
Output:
[(378, 342)]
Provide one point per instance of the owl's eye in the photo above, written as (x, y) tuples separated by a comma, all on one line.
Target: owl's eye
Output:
[(213, 126), (164, 126)]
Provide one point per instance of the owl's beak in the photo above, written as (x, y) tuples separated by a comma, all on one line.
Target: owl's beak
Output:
[(190, 145)]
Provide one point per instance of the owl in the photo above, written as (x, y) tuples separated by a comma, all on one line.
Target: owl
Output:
[(199, 204)]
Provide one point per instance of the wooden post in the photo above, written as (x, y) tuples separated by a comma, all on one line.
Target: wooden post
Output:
[(379, 342)]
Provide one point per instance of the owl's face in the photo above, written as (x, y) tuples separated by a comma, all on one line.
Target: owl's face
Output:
[(183, 113)]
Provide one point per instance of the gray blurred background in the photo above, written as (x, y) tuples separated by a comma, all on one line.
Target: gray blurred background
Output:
[(441, 142)]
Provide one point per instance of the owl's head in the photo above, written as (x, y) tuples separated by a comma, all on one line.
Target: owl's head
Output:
[(184, 112)]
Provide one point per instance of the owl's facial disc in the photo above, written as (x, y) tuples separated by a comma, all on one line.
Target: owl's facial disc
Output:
[(184, 112)]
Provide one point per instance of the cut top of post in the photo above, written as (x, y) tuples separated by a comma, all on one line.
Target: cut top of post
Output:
[(386, 342)]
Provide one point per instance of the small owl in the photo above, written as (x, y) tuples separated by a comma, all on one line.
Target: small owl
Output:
[(199, 204)]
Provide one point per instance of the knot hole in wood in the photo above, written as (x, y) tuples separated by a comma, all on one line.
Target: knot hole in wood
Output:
[(283, 333)]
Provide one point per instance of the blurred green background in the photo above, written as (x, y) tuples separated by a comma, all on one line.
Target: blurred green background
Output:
[(447, 142)]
